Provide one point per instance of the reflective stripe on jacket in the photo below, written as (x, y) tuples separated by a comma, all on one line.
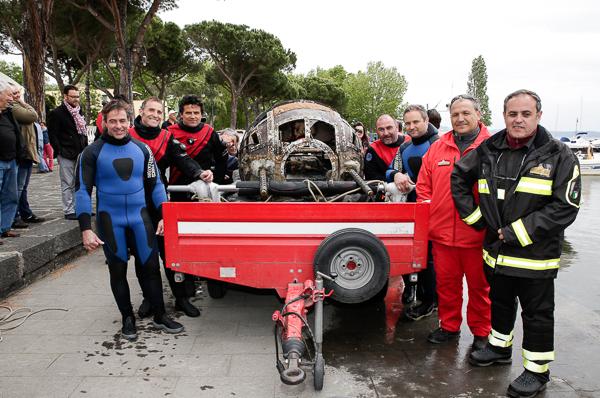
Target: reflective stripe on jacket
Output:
[(538, 205), (445, 225)]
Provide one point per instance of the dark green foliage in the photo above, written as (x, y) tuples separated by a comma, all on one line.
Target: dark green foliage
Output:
[(477, 87)]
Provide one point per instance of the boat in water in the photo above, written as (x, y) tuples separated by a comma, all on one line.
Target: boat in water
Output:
[(587, 151)]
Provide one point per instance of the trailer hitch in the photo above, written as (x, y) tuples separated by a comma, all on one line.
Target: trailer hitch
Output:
[(289, 324)]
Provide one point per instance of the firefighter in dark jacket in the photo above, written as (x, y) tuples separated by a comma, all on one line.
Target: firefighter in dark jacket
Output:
[(529, 192), (168, 152)]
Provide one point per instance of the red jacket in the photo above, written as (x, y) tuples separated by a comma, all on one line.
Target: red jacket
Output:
[(445, 224)]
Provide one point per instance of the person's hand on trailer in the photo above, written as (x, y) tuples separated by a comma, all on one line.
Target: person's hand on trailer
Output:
[(207, 176), (403, 182)]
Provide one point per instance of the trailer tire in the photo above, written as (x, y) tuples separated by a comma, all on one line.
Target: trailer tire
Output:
[(216, 289), (359, 262), (319, 372)]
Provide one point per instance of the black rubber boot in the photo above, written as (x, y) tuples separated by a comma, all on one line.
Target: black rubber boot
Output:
[(479, 343), (439, 336), (167, 324), (183, 304), (490, 355), (528, 384), (129, 331), (145, 309)]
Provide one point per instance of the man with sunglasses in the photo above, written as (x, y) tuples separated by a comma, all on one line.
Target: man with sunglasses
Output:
[(529, 192), (456, 246)]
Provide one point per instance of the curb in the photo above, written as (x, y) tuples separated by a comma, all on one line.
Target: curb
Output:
[(37, 252)]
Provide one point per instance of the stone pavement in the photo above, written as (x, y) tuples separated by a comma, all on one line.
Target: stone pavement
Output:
[(42, 247)]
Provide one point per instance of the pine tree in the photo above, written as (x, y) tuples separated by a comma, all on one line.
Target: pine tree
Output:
[(477, 87)]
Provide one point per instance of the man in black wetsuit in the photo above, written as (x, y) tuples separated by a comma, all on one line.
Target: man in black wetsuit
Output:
[(168, 152), (128, 186)]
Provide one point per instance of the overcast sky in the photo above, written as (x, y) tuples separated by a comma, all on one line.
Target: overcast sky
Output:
[(551, 47)]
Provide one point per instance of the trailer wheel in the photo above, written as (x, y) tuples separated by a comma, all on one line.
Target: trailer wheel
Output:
[(216, 289), (319, 372), (358, 261)]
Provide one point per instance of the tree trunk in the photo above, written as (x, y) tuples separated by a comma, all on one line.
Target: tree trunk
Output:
[(88, 99), (34, 52), (246, 109), (234, 107)]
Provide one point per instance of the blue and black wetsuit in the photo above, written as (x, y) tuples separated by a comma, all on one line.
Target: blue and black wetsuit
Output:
[(168, 153), (128, 188)]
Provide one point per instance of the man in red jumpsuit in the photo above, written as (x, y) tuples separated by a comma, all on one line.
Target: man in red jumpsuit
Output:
[(456, 245)]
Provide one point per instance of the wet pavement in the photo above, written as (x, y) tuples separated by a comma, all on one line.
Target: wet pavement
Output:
[(229, 350)]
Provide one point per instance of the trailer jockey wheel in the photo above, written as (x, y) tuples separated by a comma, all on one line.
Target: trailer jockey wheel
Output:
[(216, 289), (357, 261), (319, 372)]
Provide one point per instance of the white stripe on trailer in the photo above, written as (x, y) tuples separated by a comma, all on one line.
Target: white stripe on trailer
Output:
[(289, 228)]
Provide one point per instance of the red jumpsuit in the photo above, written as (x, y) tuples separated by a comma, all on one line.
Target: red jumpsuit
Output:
[(456, 246)]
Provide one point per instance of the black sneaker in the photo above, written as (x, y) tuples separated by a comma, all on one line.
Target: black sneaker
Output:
[(490, 355), (19, 224), (145, 309), (479, 343), (421, 311), (183, 304), (71, 216), (439, 336), (34, 219), (528, 384), (167, 324), (129, 331)]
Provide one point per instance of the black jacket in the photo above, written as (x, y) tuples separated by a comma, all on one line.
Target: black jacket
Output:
[(10, 132), (379, 157), (62, 131), (538, 205)]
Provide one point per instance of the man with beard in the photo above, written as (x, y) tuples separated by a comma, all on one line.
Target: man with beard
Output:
[(128, 185), (381, 153), (168, 152), (68, 136)]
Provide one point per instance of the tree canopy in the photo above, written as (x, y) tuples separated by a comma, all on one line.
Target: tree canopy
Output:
[(377, 91), (12, 70), (477, 87), (239, 54)]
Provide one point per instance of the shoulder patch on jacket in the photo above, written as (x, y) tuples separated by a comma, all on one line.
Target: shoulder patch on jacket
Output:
[(369, 157)]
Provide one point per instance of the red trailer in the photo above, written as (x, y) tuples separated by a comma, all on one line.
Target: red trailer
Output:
[(305, 251)]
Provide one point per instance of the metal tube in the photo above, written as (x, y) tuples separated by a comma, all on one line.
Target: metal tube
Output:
[(319, 315), (361, 183)]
